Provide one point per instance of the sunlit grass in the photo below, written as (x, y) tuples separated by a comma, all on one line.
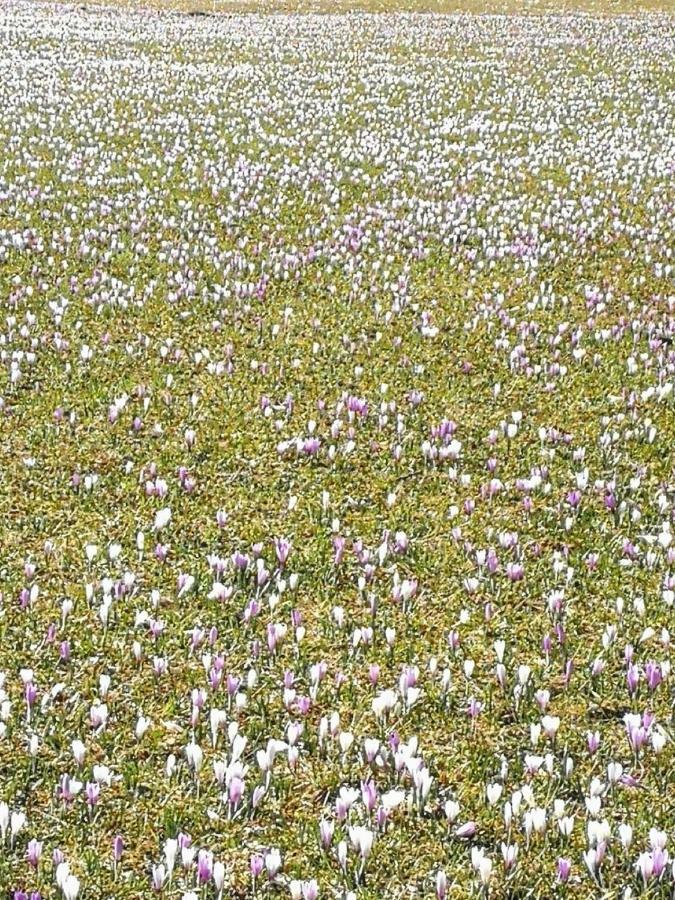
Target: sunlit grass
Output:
[(397, 289)]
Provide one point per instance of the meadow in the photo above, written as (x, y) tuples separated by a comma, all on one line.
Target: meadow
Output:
[(337, 486)]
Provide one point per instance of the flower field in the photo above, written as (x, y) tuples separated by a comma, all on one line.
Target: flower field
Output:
[(337, 422)]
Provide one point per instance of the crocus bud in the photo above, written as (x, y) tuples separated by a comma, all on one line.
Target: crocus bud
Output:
[(117, 848)]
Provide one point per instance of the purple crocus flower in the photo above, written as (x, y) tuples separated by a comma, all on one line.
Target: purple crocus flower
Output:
[(236, 791), (369, 795), (282, 548), (93, 793), (593, 741), (204, 866), (184, 840), (659, 861), (653, 675), (474, 708), (632, 678), (338, 549), (564, 868), (30, 694), (34, 852), (117, 848), (326, 829)]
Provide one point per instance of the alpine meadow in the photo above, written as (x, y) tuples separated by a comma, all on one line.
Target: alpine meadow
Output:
[(337, 450)]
